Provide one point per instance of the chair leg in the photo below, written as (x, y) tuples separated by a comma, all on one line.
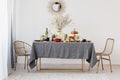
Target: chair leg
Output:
[(98, 64), (15, 64), (102, 63), (110, 64), (16, 59), (25, 63)]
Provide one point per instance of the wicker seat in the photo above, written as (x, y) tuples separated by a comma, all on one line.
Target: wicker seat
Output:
[(22, 49), (106, 53)]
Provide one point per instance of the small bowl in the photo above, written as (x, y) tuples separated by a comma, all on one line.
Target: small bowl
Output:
[(84, 40), (57, 40)]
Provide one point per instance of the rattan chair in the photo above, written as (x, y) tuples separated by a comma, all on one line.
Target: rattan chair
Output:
[(106, 53), (22, 49)]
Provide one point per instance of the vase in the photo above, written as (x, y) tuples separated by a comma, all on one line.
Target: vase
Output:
[(59, 29), (60, 34)]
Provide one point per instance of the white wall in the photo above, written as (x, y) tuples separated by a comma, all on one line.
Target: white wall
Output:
[(95, 20)]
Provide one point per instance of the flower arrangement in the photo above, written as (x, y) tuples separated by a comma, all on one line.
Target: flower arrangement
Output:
[(61, 21)]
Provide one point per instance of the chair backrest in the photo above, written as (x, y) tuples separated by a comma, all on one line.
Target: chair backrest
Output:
[(21, 47), (109, 46)]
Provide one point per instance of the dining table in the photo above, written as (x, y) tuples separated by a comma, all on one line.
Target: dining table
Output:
[(63, 50)]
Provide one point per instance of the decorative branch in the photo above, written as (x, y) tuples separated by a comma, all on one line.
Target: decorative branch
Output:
[(61, 21)]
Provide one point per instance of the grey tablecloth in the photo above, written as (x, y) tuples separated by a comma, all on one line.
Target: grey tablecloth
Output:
[(67, 50)]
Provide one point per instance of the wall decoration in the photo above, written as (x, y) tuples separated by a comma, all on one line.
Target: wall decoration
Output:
[(56, 7)]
